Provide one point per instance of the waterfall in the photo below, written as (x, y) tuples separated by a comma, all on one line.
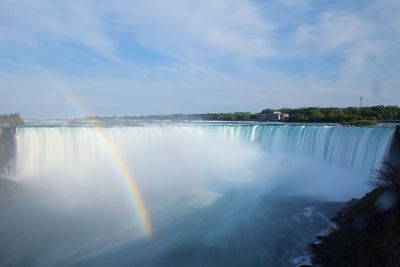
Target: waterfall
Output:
[(7, 150), (357, 148), (206, 190)]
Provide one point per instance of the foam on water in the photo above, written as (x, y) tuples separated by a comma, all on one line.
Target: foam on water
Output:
[(210, 190)]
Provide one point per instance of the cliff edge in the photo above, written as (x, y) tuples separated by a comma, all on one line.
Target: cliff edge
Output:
[(368, 233)]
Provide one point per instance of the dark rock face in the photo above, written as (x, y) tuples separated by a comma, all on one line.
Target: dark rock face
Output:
[(7, 150), (368, 234), (394, 151)]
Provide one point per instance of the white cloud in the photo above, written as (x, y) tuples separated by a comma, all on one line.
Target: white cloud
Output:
[(334, 30), (198, 30), (209, 51), (179, 28), (44, 23), (357, 41)]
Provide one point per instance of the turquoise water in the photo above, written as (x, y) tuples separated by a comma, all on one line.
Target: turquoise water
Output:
[(217, 194)]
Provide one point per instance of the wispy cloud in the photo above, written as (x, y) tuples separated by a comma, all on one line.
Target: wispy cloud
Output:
[(333, 31), (212, 54), (43, 23)]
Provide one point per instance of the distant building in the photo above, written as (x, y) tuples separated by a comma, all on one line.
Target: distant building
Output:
[(274, 116)]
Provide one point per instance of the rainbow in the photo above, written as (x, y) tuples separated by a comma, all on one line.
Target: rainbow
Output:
[(122, 167), (105, 138)]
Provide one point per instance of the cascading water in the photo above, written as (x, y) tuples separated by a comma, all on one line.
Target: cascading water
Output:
[(215, 194), (359, 148)]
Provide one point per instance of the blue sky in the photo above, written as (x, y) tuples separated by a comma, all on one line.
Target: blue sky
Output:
[(161, 57)]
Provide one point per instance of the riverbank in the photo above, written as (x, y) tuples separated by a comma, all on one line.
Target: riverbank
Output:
[(368, 234)]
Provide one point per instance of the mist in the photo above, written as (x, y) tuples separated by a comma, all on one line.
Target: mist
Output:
[(200, 187)]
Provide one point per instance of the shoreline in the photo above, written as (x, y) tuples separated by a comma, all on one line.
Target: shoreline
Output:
[(367, 235)]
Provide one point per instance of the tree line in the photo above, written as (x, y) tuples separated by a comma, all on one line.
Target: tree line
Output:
[(12, 118), (234, 116), (348, 115)]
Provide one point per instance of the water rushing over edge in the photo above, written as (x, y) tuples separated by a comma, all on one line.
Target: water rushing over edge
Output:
[(360, 148), (216, 222)]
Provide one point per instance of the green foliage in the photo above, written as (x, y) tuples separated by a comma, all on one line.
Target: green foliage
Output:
[(349, 115), (267, 111), (235, 116), (360, 122), (13, 118)]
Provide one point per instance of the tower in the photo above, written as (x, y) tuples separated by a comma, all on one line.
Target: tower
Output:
[(361, 101)]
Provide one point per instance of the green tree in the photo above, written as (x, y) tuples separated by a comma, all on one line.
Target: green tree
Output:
[(13, 118)]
